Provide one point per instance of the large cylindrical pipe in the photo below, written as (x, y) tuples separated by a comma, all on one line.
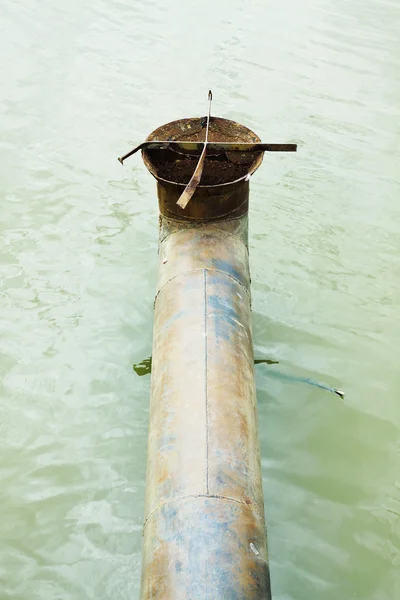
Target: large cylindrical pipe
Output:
[(204, 530)]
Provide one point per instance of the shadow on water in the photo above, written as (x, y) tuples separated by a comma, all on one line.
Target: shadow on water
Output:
[(144, 368)]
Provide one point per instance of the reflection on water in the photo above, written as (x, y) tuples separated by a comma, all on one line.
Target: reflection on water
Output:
[(78, 261)]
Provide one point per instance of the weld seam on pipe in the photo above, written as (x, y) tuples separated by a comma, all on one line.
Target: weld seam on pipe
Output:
[(195, 496), (205, 224), (205, 375), (227, 216), (195, 221), (183, 273)]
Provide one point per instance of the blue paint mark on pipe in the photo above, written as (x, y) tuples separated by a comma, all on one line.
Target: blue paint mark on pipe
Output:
[(210, 541), (223, 316), (227, 267)]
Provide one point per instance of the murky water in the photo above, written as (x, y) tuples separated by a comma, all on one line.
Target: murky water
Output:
[(81, 82)]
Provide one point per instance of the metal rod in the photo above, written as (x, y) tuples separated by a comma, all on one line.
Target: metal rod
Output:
[(195, 179), (214, 146)]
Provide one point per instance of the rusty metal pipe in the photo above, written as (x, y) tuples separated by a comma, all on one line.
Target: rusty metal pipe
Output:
[(204, 530)]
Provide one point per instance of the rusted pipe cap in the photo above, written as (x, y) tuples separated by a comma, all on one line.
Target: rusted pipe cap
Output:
[(176, 168)]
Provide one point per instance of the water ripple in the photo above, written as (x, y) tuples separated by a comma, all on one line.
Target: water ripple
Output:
[(78, 270)]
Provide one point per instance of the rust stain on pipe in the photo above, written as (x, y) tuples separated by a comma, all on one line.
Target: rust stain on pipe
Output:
[(204, 531)]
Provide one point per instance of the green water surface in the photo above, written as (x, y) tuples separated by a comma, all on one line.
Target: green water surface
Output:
[(80, 83)]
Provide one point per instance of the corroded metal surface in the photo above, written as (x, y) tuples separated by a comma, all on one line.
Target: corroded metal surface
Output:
[(191, 249), (194, 130), (236, 227), (208, 203), (215, 551), (204, 532)]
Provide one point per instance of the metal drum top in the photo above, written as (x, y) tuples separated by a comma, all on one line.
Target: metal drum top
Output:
[(221, 169)]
